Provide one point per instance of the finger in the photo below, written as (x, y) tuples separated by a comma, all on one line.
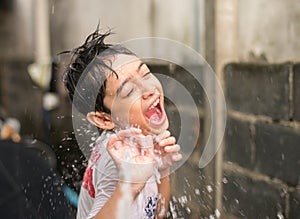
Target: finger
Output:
[(126, 133), (144, 141), (172, 149), (117, 145), (114, 145), (113, 139), (168, 141), (149, 153), (176, 157), (163, 135)]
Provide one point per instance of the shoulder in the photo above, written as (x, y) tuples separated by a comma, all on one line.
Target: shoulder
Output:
[(103, 139)]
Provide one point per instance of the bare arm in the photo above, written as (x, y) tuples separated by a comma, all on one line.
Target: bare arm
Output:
[(169, 152), (163, 202)]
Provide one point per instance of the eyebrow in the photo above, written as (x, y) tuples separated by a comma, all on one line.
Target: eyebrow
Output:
[(140, 66), (128, 79)]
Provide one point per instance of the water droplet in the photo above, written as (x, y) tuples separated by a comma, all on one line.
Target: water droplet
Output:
[(211, 217), (209, 188), (182, 200), (224, 180), (280, 215), (33, 141), (188, 210)]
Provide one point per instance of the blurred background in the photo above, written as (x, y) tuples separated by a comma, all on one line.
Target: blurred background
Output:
[(253, 47)]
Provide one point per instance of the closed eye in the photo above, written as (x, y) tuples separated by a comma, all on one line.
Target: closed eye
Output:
[(129, 93), (126, 89)]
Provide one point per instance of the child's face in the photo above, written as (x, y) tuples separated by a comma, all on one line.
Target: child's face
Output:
[(135, 97)]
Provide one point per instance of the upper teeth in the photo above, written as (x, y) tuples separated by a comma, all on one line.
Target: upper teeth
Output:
[(154, 104)]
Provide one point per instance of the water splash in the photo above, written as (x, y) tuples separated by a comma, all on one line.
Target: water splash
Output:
[(209, 188), (280, 215), (123, 211)]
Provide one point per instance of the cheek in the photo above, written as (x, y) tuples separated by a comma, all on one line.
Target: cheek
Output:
[(136, 112), (137, 117)]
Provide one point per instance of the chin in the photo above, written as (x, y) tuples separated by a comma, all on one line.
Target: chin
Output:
[(158, 130)]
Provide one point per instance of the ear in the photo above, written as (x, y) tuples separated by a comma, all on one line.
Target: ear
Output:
[(101, 120)]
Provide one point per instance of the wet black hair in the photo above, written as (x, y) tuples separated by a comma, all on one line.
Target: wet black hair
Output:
[(90, 65)]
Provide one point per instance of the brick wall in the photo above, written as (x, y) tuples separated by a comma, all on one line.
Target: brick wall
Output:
[(262, 143)]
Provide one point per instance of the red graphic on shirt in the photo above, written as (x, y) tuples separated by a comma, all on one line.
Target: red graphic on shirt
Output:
[(94, 157), (88, 175), (88, 181)]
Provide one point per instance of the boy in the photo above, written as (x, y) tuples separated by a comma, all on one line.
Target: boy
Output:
[(129, 166)]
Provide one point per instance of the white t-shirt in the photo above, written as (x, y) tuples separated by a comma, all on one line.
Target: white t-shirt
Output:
[(100, 180)]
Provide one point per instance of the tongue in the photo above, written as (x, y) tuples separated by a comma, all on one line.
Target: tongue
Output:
[(151, 113), (154, 116)]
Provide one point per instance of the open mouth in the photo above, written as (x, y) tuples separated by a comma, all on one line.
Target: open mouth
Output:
[(155, 113)]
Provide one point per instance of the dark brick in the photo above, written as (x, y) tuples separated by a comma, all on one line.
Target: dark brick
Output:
[(245, 197), (295, 204), (238, 143), (277, 152), (174, 118), (296, 96), (186, 129), (258, 89), (190, 83)]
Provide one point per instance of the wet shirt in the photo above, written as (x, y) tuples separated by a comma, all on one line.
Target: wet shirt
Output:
[(100, 180)]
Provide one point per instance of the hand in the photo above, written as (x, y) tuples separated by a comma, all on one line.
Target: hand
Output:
[(135, 164), (168, 152)]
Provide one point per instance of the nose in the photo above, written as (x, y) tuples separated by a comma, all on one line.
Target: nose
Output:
[(148, 94), (148, 90)]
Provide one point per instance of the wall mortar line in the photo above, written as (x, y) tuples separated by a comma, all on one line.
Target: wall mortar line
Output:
[(291, 92), (255, 175), (260, 118)]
